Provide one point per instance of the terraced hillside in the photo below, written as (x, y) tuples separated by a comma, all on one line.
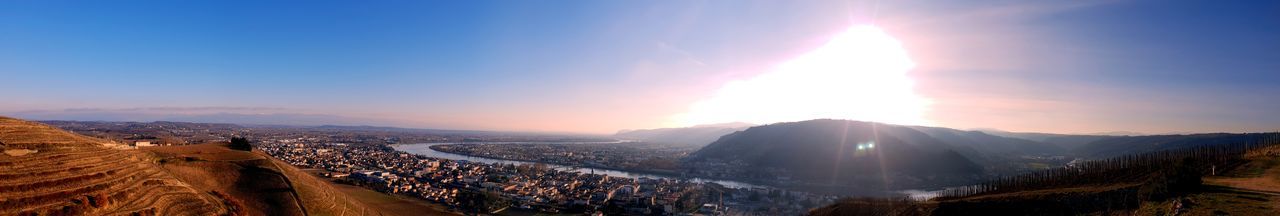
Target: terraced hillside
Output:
[(47, 171)]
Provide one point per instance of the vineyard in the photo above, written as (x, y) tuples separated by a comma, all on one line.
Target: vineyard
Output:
[(1130, 169), (1115, 185), (47, 171)]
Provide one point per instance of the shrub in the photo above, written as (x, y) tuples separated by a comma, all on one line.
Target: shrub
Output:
[(240, 143)]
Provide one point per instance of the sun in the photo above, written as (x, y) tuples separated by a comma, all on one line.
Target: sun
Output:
[(860, 74)]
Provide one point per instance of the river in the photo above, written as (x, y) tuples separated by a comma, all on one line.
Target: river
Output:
[(424, 149)]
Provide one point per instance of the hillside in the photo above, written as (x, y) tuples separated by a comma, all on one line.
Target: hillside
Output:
[(842, 153), (1251, 189), (1102, 146), (990, 148), (1219, 178), (1064, 141), (47, 171), (264, 185), (696, 136), (806, 148)]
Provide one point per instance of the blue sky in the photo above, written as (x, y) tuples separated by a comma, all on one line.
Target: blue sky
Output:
[(600, 66)]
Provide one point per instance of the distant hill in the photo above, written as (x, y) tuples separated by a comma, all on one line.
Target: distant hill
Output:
[(987, 147), (828, 151), (1038, 137), (1095, 146), (206, 115), (1065, 141), (696, 136), (48, 171), (1123, 145), (825, 150)]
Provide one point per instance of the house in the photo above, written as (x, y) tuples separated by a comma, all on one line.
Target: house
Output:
[(709, 209)]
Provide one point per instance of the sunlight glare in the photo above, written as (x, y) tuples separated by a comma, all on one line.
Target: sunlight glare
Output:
[(859, 74)]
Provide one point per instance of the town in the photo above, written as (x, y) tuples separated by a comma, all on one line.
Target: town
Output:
[(478, 187), (631, 156)]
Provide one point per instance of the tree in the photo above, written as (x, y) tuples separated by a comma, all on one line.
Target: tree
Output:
[(479, 202), (240, 143)]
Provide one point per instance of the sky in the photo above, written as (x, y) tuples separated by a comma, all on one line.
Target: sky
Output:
[(602, 66)]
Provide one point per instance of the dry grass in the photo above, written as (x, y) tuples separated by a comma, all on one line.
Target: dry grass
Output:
[(1252, 189), (319, 196), (392, 204), (342, 199), (263, 192), (1262, 184), (1217, 200)]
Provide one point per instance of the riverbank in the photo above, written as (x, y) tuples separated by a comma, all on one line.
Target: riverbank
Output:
[(425, 149), (576, 166)]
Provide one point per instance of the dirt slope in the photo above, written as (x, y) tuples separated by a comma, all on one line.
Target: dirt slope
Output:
[(1253, 189)]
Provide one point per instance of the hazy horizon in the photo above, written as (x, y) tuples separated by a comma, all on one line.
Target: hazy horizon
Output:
[(1077, 67), (305, 120)]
